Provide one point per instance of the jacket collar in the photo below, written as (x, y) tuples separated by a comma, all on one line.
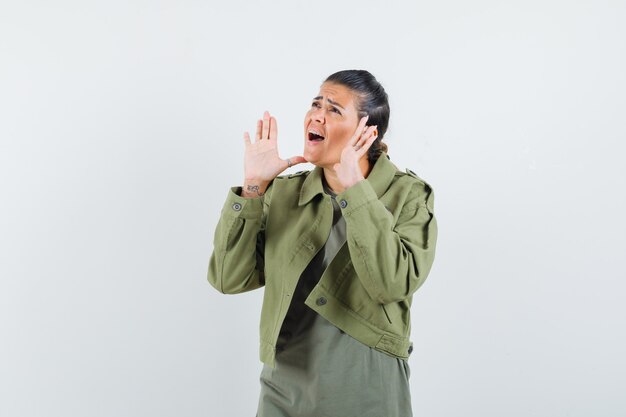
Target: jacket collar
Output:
[(379, 178)]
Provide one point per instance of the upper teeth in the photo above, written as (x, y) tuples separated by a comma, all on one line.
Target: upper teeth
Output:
[(315, 132)]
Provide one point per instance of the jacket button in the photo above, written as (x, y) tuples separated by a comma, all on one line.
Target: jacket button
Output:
[(343, 203), (237, 206), (410, 349), (320, 301)]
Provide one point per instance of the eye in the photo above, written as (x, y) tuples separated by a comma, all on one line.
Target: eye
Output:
[(316, 104)]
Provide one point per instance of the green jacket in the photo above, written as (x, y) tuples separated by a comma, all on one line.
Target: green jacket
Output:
[(367, 289)]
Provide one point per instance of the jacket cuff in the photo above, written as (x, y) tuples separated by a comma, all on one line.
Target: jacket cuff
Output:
[(356, 196), (238, 206)]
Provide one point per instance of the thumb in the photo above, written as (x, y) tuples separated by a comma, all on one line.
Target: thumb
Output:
[(336, 166), (297, 160)]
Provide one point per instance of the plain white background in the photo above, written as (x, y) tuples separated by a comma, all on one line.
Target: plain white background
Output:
[(121, 128)]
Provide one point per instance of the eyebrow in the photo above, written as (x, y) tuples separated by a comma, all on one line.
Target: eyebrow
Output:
[(330, 101)]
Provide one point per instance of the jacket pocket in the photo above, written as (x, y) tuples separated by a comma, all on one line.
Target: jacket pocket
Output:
[(386, 314)]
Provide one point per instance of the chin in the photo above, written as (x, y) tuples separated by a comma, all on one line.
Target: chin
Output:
[(318, 157), (318, 162), (310, 159)]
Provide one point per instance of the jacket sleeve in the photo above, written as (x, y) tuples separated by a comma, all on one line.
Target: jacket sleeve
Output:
[(391, 258), (237, 262)]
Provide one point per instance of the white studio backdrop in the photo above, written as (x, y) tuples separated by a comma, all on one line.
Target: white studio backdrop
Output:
[(121, 130)]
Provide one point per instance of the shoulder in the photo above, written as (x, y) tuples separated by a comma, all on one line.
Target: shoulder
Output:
[(293, 180), (286, 184), (299, 174), (414, 178), (418, 188)]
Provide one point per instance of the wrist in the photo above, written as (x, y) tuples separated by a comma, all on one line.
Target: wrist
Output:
[(254, 188), (353, 182)]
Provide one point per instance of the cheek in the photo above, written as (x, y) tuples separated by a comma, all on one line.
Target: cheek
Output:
[(342, 136)]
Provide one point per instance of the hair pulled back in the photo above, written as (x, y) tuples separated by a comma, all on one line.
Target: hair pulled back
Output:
[(371, 99)]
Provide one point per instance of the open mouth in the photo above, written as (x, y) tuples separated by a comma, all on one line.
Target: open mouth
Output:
[(315, 137)]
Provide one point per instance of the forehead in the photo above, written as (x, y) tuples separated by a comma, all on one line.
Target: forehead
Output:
[(338, 93)]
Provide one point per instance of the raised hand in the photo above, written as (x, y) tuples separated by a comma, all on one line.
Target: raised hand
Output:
[(348, 169), (261, 160)]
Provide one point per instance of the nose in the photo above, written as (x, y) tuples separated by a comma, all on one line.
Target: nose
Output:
[(318, 115)]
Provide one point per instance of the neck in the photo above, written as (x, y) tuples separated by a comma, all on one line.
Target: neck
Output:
[(330, 175)]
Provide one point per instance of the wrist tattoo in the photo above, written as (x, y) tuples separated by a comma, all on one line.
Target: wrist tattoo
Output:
[(254, 189)]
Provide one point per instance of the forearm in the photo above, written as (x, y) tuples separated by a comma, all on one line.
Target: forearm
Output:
[(236, 264), (392, 258)]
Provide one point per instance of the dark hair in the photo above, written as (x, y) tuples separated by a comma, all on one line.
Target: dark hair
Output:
[(371, 99)]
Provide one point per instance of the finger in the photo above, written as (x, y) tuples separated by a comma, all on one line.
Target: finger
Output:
[(273, 128), (246, 138), (366, 146), (365, 135), (358, 131), (266, 125), (259, 126), (365, 126), (295, 160)]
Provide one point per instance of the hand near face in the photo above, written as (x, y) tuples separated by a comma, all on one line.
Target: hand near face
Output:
[(348, 169), (261, 160)]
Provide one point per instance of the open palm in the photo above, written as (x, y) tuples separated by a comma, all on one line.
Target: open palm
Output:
[(261, 160)]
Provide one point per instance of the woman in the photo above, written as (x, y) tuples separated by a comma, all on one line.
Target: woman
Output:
[(340, 251)]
